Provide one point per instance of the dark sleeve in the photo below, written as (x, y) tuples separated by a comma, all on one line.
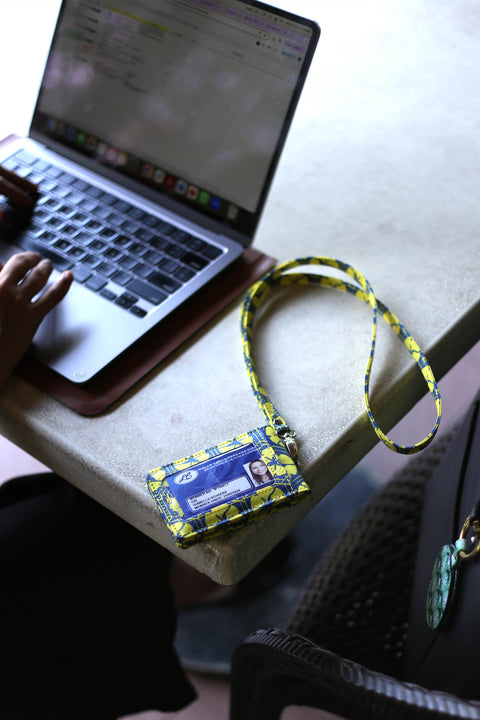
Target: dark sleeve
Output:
[(88, 619)]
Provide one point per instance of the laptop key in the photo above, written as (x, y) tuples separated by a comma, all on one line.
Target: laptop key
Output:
[(159, 242), (107, 199), (95, 226), (164, 282), (108, 294), (127, 262), (67, 178), (53, 171), (123, 207), (89, 206), (96, 283), (112, 254), (174, 251), (143, 271), (42, 165), (44, 216), (97, 245), (144, 234), (138, 249), (57, 223), (81, 273), (130, 226), (102, 212), (66, 211), (51, 203), (184, 274), (62, 245), (35, 178), (121, 277), (106, 269), (77, 253), (195, 262), (153, 257), (92, 261), (195, 244), (10, 164), (69, 229), (82, 237), (115, 219), (81, 185), (166, 228), (137, 214), (127, 300), (211, 252), (168, 266), (48, 184), (152, 221), (61, 191), (107, 232), (80, 218), (23, 171), (75, 198), (138, 311), (180, 236), (46, 237), (93, 191), (147, 292), (123, 241), (26, 157)]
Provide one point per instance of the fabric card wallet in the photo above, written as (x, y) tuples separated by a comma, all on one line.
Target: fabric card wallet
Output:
[(226, 486)]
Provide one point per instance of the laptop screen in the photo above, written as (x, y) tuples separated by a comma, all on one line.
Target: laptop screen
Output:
[(191, 98)]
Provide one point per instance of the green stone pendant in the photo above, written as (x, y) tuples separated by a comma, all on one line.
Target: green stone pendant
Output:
[(441, 589)]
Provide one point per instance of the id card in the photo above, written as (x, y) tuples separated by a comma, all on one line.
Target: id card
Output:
[(226, 486)]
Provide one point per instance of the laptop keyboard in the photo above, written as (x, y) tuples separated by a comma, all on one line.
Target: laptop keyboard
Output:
[(112, 247)]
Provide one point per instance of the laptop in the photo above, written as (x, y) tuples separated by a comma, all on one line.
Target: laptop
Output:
[(156, 133)]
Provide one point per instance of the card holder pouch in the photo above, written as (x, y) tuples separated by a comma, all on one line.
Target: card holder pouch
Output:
[(224, 486)]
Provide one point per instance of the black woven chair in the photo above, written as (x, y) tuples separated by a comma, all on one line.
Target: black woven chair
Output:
[(343, 648)]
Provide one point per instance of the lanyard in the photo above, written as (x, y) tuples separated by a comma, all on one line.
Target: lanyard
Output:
[(280, 276)]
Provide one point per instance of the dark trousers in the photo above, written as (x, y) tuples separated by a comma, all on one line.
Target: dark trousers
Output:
[(87, 619)]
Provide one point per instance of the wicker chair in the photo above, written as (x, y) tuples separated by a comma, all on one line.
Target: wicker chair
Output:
[(343, 648)]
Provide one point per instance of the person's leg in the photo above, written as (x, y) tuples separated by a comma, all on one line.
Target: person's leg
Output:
[(91, 619)]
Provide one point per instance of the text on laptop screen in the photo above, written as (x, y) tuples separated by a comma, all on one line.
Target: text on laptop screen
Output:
[(188, 96)]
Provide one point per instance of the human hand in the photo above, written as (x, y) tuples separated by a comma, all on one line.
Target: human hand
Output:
[(22, 308), (20, 190)]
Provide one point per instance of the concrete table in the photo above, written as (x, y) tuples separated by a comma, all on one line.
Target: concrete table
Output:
[(382, 170)]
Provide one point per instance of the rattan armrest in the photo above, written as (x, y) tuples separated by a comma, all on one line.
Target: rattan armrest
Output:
[(273, 669)]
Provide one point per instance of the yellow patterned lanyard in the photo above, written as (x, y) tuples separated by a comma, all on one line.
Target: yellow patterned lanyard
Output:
[(280, 275)]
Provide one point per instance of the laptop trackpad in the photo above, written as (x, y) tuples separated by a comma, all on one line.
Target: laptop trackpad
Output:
[(82, 334)]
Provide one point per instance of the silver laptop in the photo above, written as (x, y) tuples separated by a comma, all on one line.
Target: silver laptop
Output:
[(154, 140)]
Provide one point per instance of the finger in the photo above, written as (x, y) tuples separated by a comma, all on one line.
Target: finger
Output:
[(37, 278), (13, 192), (19, 265), (20, 182), (55, 293)]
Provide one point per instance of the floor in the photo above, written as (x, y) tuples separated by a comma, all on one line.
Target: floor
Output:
[(457, 388)]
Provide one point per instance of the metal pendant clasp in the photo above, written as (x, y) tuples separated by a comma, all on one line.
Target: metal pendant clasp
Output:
[(288, 439), (473, 523), (291, 446)]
